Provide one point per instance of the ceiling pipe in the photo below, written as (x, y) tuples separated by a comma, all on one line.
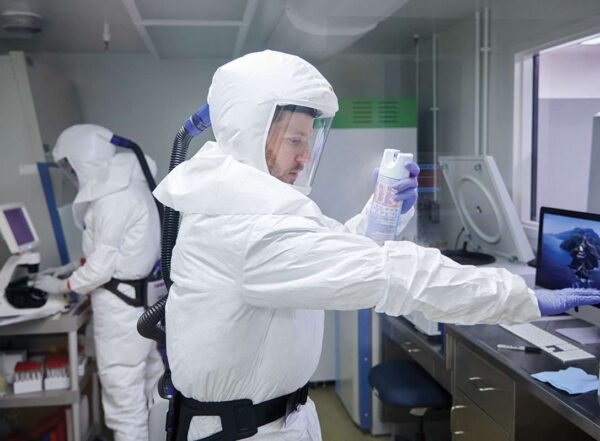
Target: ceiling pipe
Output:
[(477, 122), (485, 82), (435, 109), (319, 29)]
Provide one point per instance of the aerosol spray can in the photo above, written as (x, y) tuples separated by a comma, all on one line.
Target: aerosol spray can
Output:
[(385, 211)]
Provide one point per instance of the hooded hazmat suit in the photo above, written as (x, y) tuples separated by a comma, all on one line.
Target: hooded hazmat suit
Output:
[(256, 262), (121, 235)]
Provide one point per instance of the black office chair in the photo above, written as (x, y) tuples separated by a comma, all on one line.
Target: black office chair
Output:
[(403, 383)]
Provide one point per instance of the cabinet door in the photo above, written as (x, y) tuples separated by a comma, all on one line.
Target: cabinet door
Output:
[(485, 385), (469, 423)]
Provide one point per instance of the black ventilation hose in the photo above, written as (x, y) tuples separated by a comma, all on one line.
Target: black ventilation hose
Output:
[(170, 227), (149, 325)]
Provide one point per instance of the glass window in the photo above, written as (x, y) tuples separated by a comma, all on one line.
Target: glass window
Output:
[(565, 137)]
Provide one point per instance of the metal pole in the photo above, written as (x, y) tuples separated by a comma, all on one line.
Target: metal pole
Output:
[(73, 358), (486, 67), (477, 121), (435, 110)]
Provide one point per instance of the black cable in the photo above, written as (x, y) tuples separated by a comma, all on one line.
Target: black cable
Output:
[(458, 237)]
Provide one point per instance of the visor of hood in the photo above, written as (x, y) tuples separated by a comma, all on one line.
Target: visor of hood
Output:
[(245, 92), (295, 143)]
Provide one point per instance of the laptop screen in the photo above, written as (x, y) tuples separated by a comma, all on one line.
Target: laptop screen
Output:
[(568, 249)]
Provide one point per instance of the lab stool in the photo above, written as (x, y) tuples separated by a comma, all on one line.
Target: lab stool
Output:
[(403, 383)]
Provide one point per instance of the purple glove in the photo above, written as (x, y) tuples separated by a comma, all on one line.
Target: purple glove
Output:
[(406, 188), (553, 302)]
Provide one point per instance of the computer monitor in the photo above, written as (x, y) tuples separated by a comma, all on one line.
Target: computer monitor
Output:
[(16, 228), (569, 254)]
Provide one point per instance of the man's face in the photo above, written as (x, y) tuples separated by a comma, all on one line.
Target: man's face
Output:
[(287, 149)]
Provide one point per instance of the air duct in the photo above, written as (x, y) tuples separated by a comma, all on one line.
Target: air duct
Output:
[(319, 29)]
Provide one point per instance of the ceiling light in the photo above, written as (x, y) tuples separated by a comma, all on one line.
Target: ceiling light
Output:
[(21, 22)]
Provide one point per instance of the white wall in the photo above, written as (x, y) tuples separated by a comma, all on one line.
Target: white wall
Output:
[(137, 96), (147, 100), (572, 72), (565, 150), (370, 76)]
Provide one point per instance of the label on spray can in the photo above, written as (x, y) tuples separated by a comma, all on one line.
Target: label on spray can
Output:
[(383, 219), (384, 215)]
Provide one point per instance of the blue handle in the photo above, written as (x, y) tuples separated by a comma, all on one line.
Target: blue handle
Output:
[(199, 121), (120, 141)]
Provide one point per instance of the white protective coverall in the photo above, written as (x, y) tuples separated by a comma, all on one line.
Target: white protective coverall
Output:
[(256, 262), (121, 235)]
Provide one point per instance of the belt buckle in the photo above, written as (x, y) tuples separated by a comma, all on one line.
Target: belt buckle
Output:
[(296, 399), (244, 418)]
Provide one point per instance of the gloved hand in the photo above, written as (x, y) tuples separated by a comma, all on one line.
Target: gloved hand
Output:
[(63, 270), (406, 189), (51, 285), (553, 302)]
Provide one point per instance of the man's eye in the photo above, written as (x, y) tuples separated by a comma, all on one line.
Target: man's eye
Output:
[(294, 141)]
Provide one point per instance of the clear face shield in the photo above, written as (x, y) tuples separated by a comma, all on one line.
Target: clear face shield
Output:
[(68, 170), (295, 143)]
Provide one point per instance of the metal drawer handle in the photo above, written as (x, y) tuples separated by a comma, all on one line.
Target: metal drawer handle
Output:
[(458, 432), (480, 387), (407, 347), (457, 407), (486, 389)]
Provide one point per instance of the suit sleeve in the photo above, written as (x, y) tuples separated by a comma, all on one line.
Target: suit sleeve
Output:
[(291, 262), (110, 220)]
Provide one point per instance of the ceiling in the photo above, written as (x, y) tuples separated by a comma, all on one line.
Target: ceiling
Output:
[(212, 28)]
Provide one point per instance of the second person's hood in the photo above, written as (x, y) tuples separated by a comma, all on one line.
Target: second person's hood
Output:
[(108, 177)]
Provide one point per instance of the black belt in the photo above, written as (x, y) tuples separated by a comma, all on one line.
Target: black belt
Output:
[(240, 419), (147, 290), (139, 285)]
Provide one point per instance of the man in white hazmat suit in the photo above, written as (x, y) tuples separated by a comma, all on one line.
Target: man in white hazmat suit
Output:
[(256, 262), (121, 235)]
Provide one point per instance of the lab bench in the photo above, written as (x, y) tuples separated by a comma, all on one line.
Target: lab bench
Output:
[(493, 395), (68, 323)]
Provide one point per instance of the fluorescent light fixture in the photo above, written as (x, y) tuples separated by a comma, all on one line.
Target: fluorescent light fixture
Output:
[(592, 41)]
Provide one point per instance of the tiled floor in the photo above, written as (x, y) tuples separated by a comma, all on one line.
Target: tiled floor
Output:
[(336, 424)]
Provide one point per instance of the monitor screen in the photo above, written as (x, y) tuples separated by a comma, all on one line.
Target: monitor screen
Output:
[(568, 249), (19, 226)]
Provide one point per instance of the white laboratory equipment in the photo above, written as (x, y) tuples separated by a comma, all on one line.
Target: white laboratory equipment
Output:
[(18, 299), (361, 131), (485, 208), (488, 215)]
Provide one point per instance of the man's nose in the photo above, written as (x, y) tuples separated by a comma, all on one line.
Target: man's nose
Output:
[(304, 157)]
